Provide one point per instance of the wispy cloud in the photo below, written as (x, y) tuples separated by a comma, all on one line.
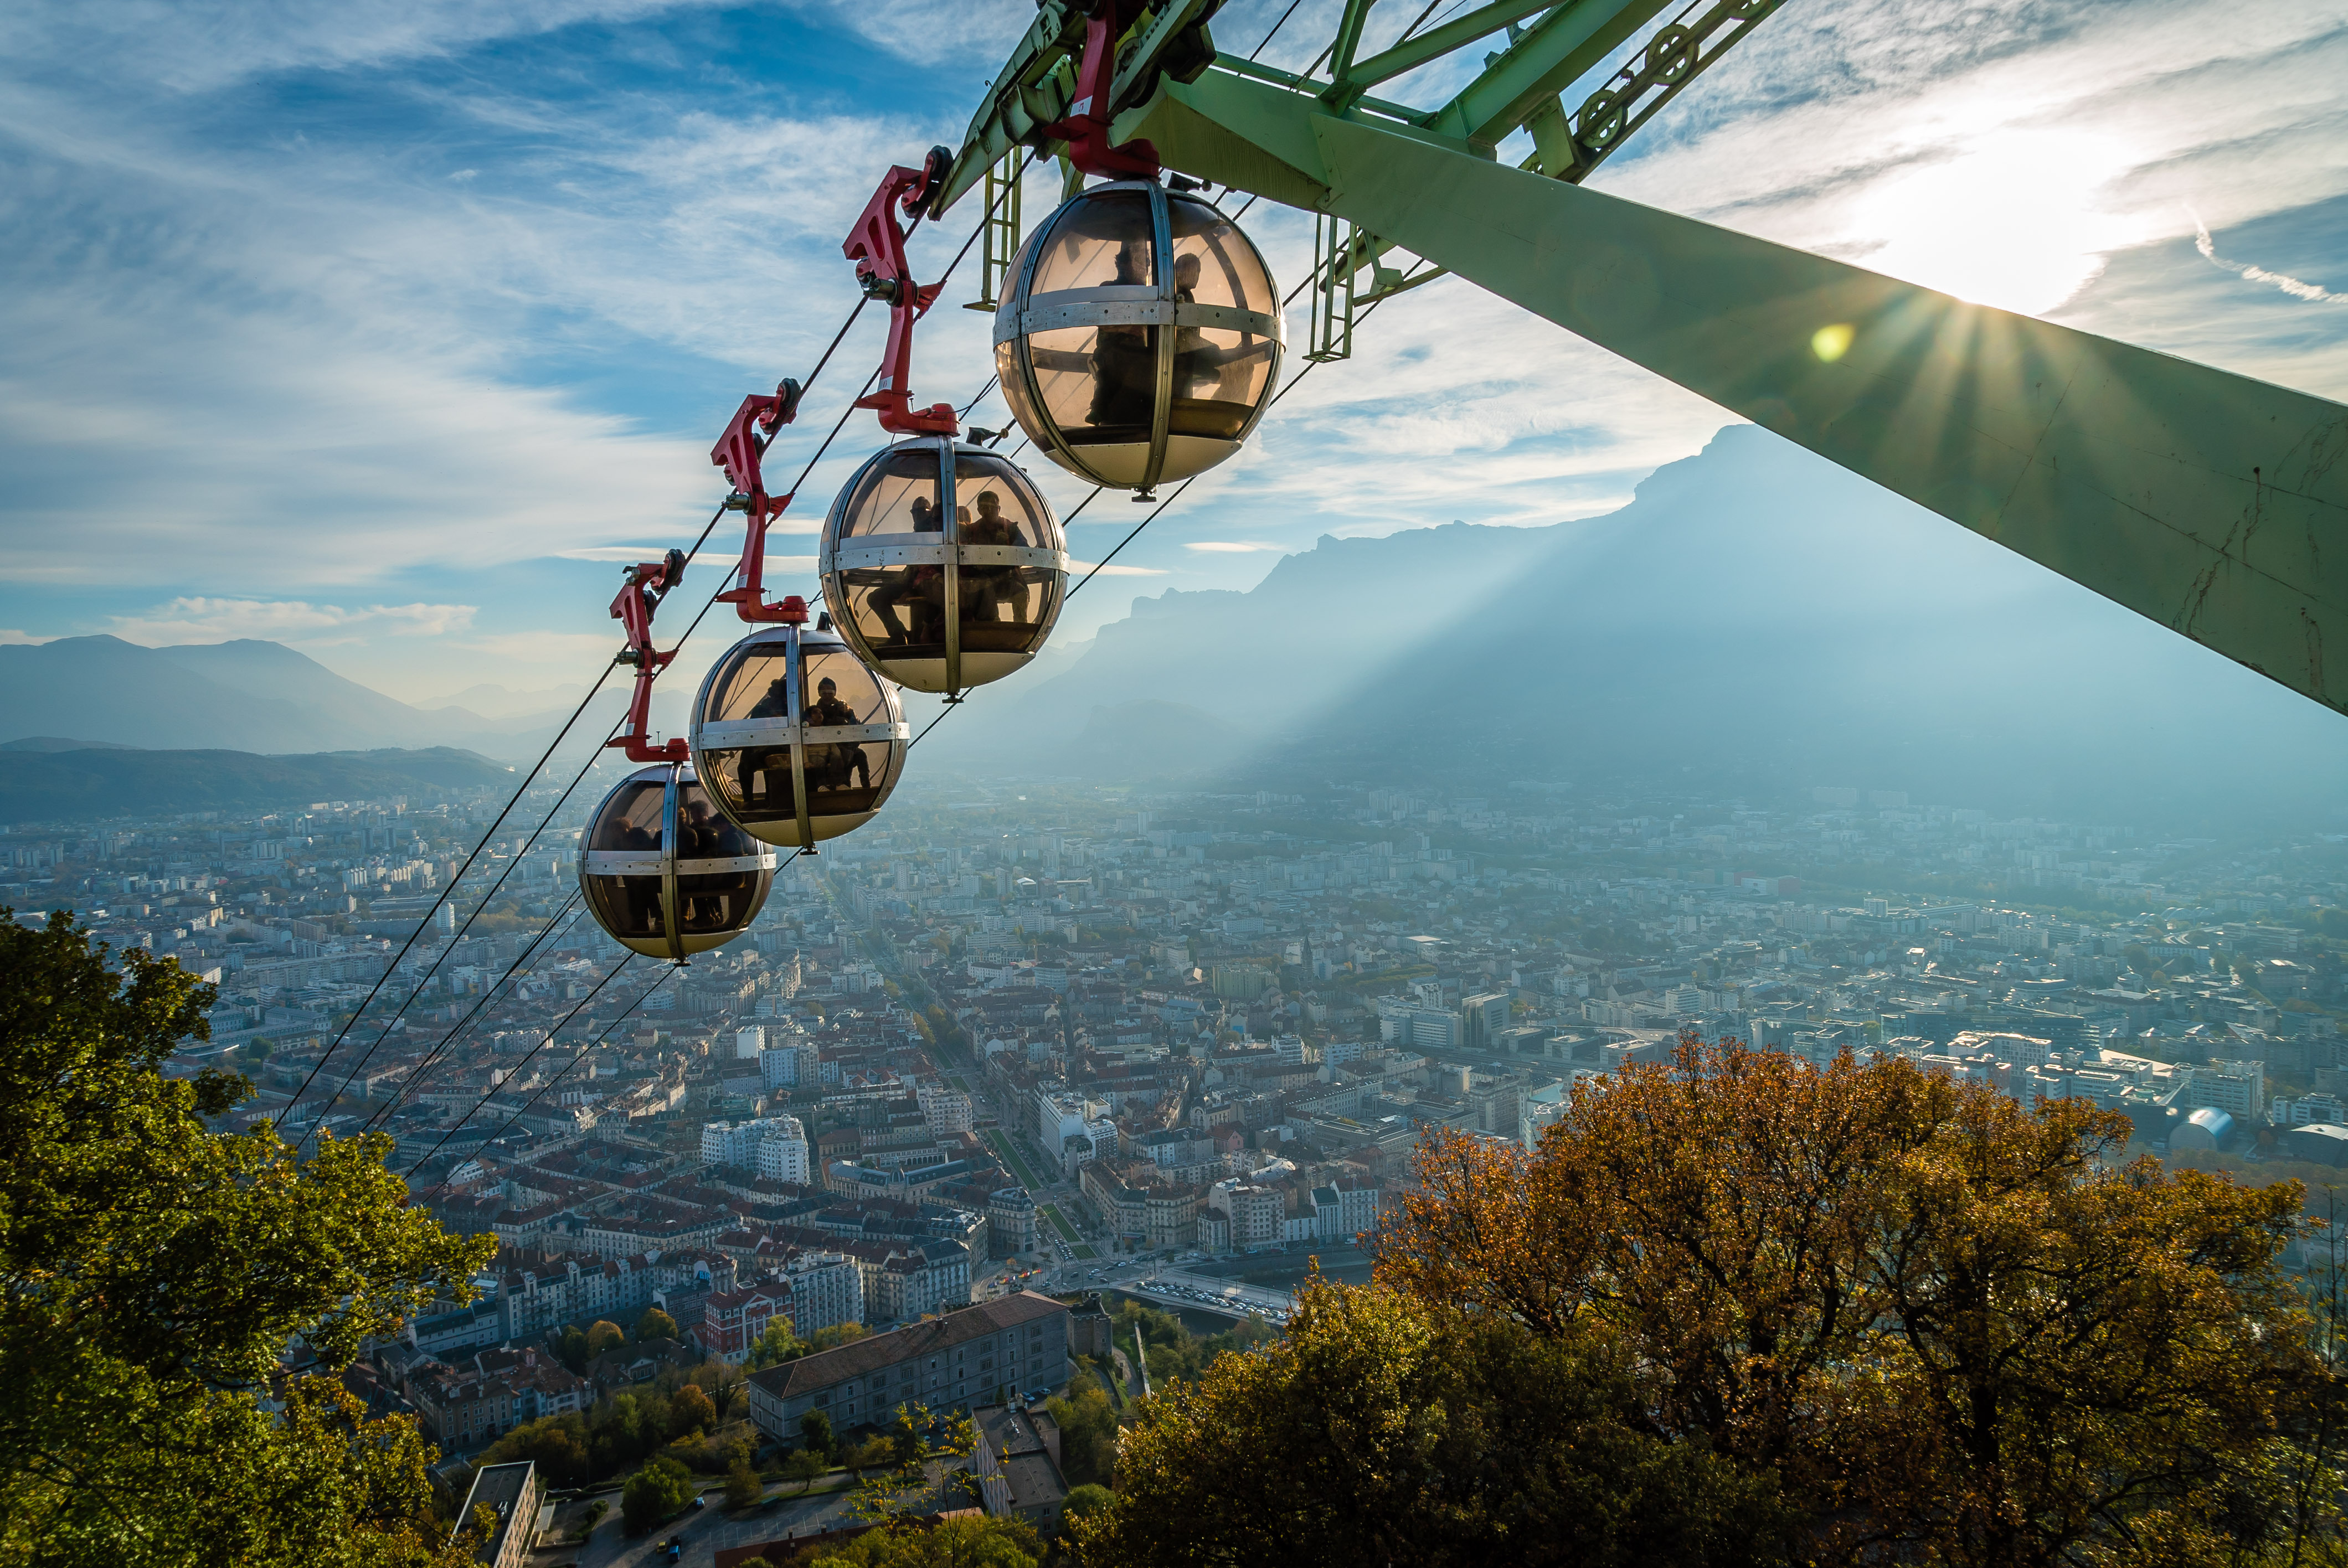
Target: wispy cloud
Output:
[(2298, 289), (1114, 569), (1231, 547), (200, 620)]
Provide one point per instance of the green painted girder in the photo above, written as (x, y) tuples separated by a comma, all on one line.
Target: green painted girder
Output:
[(2212, 503)]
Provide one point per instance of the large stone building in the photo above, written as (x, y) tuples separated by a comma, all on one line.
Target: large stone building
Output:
[(974, 1357)]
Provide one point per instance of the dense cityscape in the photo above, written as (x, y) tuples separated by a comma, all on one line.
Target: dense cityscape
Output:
[(1017, 1043)]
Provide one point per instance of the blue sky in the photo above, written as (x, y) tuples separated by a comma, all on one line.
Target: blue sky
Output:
[(379, 328)]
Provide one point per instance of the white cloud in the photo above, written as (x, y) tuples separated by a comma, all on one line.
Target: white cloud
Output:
[(11, 637), (200, 620), (336, 355), (620, 553), (1078, 568), (2297, 288)]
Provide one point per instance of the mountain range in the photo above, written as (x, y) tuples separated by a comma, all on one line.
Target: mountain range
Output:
[(1754, 619), (264, 697), (51, 785)]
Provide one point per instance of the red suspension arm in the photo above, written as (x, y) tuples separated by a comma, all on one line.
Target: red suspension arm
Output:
[(877, 246), (738, 452), (1086, 130), (645, 585)]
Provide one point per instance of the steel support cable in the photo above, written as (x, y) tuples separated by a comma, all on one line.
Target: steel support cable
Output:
[(554, 927), (1276, 27), (551, 1040), (445, 892), (542, 1045), (584, 1002), (479, 910), (577, 1057), (522, 788)]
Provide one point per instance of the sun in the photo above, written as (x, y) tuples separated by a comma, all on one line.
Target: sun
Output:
[(2017, 219)]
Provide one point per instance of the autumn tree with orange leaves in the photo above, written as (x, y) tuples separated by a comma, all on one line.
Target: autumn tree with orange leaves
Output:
[(1939, 1326)]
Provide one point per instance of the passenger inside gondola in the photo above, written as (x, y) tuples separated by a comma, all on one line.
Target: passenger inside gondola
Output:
[(985, 588), (1125, 358)]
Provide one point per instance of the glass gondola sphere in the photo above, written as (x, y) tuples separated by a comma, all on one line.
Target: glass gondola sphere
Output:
[(943, 565), (663, 873), (1138, 336), (799, 740)]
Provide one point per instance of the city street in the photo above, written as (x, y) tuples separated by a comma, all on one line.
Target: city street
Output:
[(704, 1533)]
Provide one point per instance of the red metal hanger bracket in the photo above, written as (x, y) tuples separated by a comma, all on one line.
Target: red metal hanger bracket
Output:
[(738, 452), (877, 246), (645, 585), (1086, 130)]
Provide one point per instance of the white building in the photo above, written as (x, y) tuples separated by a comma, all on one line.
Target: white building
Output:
[(784, 1157), (827, 1289), (2239, 1087), (947, 1110), (743, 1143), (748, 1043), (788, 1066)]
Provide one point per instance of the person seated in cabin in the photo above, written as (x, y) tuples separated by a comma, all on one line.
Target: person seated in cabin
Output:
[(1125, 358), (987, 587), (830, 767)]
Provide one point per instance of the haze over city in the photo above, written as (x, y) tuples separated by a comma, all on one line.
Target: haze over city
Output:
[(1343, 927)]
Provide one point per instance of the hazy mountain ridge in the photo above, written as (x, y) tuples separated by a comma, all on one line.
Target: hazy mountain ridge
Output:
[(258, 697), (1753, 609), (80, 785)]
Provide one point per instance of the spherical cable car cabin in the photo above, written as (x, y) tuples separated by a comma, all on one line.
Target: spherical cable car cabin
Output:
[(665, 874), (799, 740), (943, 564), (1140, 336)]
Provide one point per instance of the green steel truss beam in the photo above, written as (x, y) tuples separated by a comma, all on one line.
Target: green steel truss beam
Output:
[(2210, 502)]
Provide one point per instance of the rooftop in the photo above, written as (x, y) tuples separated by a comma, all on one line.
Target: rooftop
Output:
[(827, 1368)]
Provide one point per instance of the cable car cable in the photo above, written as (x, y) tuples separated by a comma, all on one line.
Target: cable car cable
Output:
[(522, 787), (577, 1057), (1276, 27), (393, 967), (458, 935), (416, 1075), (525, 1062)]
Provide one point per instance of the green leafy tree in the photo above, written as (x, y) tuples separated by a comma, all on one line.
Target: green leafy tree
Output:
[(603, 1336), (558, 1445), (743, 1486), (691, 1410), (655, 1325), (153, 1268), (654, 1492), (962, 1542), (1087, 1432), (1085, 1501), (574, 1348), (775, 1346), (838, 1334), (803, 1465), (815, 1434), (1386, 1431)]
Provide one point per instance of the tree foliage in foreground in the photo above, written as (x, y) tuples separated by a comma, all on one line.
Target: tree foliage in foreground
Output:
[(1385, 1430), (153, 1269), (1740, 1309), (1957, 1329)]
